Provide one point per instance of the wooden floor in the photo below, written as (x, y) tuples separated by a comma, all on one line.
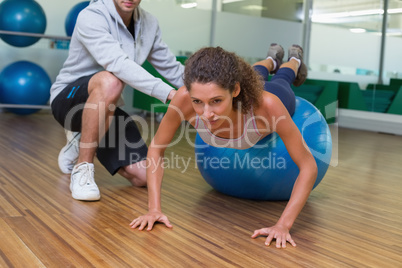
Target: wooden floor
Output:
[(352, 219)]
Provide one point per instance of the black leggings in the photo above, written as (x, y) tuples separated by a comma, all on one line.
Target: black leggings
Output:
[(279, 85)]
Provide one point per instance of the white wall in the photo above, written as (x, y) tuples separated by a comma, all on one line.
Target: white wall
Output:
[(393, 54), (250, 37), (40, 53), (338, 46), (189, 30), (56, 12), (332, 47), (182, 29)]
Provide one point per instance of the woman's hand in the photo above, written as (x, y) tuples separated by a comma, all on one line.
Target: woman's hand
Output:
[(149, 220), (278, 232)]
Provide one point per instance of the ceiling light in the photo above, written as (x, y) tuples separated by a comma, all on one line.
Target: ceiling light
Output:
[(254, 7), (357, 30), (331, 17), (394, 10), (188, 5), (230, 1)]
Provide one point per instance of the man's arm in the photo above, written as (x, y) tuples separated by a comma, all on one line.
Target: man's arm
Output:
[(107, 52), (165, 62)]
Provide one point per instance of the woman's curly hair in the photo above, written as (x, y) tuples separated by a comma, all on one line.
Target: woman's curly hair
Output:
[(225, 69)]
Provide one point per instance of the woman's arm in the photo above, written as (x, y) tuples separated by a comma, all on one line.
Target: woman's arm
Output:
[(179, 110), (301, 155)]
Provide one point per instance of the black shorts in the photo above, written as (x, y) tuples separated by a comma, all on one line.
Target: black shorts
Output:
[(121, 146)]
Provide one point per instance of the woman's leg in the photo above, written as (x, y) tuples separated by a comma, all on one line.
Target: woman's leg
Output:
[(274, 58), (280, 84), (295, 62), (294, 71), (295, 52), (272, 63)]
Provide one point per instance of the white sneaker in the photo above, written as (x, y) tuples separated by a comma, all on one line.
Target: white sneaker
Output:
[(82, 185), (69, 153)]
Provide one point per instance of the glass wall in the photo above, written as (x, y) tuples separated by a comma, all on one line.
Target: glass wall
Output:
[(353, 27), (185, 25), (346, 37), (290, 10), (246, 27), (393, 42), (347, 44)]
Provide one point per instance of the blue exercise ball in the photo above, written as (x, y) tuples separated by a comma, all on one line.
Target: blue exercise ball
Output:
[(24, 82), (72, 15), (266, 170), (21, 16)]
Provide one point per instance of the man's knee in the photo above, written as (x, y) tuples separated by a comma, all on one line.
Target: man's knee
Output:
[(135, 173), (106, 84)]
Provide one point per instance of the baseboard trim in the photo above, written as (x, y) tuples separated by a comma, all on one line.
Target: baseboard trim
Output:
[(370, 121)]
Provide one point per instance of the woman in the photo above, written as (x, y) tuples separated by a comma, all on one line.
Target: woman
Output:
[(229, 104)]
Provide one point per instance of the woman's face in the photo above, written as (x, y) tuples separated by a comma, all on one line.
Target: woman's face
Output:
[(213, 103)]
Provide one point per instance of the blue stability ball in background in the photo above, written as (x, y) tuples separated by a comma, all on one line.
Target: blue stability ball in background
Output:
[(21, 16), (266, 171), (72, 17), (24, 82)]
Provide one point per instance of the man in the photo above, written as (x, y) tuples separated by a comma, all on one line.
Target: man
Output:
[(111, 39)]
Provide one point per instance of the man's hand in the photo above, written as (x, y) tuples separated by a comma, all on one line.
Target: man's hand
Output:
[(171, 94)]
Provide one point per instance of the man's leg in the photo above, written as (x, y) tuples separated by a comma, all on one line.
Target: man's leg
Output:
[(122, 150), (67, 109), (104, 91), (68, 155), (85, 106), (135, 173)]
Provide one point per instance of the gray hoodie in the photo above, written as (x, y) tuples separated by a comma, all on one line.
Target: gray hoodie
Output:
[(101, 41)]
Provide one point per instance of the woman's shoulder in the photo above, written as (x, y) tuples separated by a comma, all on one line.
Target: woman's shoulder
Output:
[(269, 113), (181, 102), (181, 97), (270, 105)]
